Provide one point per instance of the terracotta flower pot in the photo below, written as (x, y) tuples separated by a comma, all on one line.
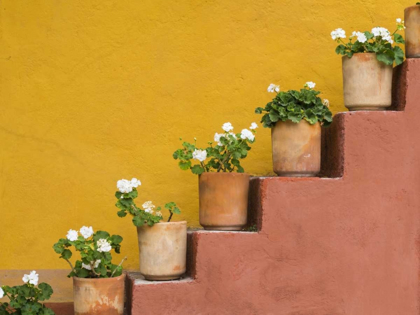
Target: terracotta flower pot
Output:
[(163, 250), (296, 148), (98, 296), (412, 31), (223, 200), (367, 82)]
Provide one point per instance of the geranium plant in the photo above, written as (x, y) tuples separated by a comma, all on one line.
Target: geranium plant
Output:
[(294, 106), (25, 299), (224, 156), (379, 41), (95, 253), (148, 214)]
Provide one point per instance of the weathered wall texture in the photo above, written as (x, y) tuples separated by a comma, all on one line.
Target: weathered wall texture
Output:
[(347, 245), (93, 91)]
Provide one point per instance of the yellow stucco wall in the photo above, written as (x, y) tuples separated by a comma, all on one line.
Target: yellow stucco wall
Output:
[(94, 91)]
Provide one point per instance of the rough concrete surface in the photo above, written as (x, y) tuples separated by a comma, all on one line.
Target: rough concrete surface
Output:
[(345, 245)]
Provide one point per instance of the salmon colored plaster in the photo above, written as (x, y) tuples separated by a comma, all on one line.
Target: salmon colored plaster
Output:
[(342, 245)]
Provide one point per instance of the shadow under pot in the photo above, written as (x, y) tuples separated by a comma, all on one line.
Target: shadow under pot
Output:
[(367, 82), (296, 148), (163, 250), (412, 31), (99, 295), (223, 199)]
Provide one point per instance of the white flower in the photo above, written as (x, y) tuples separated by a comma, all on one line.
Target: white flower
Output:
[(1, 293), (326, 103), (227, 127), (382, 32), (253, 126), (338, 33), (217, 137), (310, 84), (135, 182), (124, 186), (88, 267), (103, 245), (200, 155), (361, 37), (86, 231), (72, 235), (399, 20), (273, 88), (148, 206), (32, 278), (246, 134), (158, 213)]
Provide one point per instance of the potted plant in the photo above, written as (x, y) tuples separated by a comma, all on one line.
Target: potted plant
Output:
[(162, 245), (223, 185), (295, 119), (26, 298), (412, 32), (367, 66), (98, 284)]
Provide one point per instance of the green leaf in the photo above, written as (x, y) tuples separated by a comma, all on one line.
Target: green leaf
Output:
[(66, 254), (259, 110), (137, 221), (99, 235), (340, 50), (116, 239), (184, 165), (386, 58), (399, 55), (133, 194), (58, 248), (122, 213), (47, 311), (82, 273), (197, 169), (46, 291), (369, 35), (398, 39)]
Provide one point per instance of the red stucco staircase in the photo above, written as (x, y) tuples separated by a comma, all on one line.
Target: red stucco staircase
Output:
[(346, 243)]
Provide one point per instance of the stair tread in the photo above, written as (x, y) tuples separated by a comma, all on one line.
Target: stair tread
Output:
[(138, 279)]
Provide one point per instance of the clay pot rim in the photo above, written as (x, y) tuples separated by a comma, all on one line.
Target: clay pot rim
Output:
[(412, 7), (98, 279), (361, 53), (224, 174), (289, 121), (172, 223)]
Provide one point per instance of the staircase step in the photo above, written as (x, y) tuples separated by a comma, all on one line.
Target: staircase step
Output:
[(346, 243)]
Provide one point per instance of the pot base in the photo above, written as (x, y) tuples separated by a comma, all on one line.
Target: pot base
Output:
[(367, 108), (161, 278), (223, 228), (297, 174)]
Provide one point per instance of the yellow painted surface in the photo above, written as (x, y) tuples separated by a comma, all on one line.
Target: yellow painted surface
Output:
[(94, 91)]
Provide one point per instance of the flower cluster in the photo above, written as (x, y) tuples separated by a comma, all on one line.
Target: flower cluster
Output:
[(85, 231), (338, 33), (32, 278), (126, 186), (150, 214), (25, 299), (94, 248), (379, 41), (224, 156), (295, 106)]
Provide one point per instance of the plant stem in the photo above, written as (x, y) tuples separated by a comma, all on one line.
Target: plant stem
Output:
[(125, 258), (72, 269), (202, 164), (170, 216)]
